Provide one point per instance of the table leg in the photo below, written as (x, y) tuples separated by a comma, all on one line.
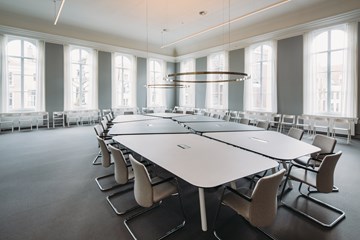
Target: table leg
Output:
[(289, 181), (202, 209)]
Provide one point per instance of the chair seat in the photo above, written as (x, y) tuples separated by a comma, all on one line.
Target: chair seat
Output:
[(307, 161), (302, 160), (162, 190), (238, 204), (307, 177)]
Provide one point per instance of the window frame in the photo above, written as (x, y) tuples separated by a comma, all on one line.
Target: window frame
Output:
[(92, 99), (132, 80), (267, 95), (218, 91), (151, 74), (345, 104), (187, 65), (38, 76)]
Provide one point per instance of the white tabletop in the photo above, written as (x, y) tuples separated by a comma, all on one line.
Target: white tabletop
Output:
[(206, 127), (157, 126), (132, 118), (201, 161), (166, 115), (196, 118), (269, 143)]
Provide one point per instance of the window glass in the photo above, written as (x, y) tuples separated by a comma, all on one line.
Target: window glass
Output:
[(22, 86)]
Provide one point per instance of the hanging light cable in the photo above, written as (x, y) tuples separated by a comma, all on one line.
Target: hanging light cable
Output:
[(231, 76)]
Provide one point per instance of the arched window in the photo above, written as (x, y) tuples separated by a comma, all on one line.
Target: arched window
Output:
[(260, 89), (156, 72), (23, 75), (187, 94), (80, 78), (329, 71), (124, 84), (217, 93)]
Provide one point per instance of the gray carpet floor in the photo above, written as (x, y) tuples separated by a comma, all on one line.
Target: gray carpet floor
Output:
[(47, 191)]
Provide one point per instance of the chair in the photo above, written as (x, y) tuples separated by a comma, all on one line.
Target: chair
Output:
[(128, 113), (26, 118), (58, 118), (245, 121), (189, 112), (124, 175), (105, 125), (260, 208), (149, 191), (342, 125), (275, 121), (107, 139), (9, 119), (296, 133), (287, 121), (226, 118), (263, 124), (303, 122), (321, 179), (325, 143), (216, 115), (106, 162), (320, 123)]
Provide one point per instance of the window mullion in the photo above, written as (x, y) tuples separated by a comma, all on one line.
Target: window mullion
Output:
[(329, 74), (22, 88)]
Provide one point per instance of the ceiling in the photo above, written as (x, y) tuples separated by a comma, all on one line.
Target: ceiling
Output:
[(147, 25)]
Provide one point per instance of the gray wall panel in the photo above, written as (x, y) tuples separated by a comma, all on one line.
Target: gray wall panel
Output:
[(140, 82), (104, 78), (200, 89), (54, 78), (171, 92), (236, 90), (290, 75)]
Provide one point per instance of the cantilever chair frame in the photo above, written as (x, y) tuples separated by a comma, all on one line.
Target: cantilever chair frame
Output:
[(130, 180), (131, 218), (308, 197), (106, 162), (248, 199)]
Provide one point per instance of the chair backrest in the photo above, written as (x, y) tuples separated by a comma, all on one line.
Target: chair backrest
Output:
[(128, 112), (99, 130), (215, 115), (296, 133), (263, 124), (143, 191), (263, 206), (288, 119), (104, 123), (245, 121), (189, 112), (325, 176), (121, 172), (106, 159), (226, 118), (325, 143)]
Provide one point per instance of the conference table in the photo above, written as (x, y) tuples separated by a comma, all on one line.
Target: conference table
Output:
[(267, 143), (200, 161), (208, 127), (165, 115), (156, 126), (196, 118), (132, 118)]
